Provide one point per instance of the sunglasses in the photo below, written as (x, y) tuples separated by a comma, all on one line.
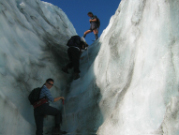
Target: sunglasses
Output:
[(50, 84)]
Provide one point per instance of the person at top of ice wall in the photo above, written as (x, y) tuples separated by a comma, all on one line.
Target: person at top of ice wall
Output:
[(94, 25)]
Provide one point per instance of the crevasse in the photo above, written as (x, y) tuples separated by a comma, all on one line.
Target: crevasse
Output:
[(129, 77)]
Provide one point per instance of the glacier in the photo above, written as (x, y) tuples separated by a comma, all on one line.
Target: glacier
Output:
[(129, 76), (33, 37)]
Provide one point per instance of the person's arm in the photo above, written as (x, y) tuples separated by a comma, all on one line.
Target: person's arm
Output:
[(94, 19), (58, 98)]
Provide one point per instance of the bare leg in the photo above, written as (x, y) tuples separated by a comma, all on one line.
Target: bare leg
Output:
[(95, 31), (86, 32)]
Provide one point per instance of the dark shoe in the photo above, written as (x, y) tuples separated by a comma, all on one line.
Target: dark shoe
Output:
[(63, 132), (64, 69), (76, 76), (56, 131)]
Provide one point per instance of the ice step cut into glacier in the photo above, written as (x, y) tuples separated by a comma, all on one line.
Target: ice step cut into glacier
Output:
[(129, 77)]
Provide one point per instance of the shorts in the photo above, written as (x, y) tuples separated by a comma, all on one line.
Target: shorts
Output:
[(93, 26)]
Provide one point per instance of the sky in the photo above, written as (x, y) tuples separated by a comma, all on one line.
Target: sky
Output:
[(77, 10)]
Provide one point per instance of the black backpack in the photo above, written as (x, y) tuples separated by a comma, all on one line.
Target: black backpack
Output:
[(34, 95), (74, 41), (98, 22)]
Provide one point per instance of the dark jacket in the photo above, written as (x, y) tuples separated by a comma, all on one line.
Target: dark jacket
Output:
[(75, 41)]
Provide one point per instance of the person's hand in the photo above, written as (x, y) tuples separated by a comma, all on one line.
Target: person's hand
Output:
[(58, 98), (90, 20), (82, 58), (62, 98)]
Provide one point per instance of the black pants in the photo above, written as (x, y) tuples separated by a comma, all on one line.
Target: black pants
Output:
[(43, 110), (74, 56)]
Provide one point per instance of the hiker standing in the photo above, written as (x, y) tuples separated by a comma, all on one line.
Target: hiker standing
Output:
[(42, 108), (94, 25), (75, 44)]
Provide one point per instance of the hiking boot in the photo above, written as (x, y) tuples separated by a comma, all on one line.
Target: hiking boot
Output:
[(56, 131), (64, 69), (63, 132), (76, 76)]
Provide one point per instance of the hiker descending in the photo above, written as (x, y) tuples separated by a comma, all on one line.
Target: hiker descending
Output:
[(94, 25), (76, 44), (42, 108)]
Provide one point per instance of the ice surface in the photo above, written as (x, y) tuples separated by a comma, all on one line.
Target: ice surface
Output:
[(33, 35), (129, 77), (131, 87)]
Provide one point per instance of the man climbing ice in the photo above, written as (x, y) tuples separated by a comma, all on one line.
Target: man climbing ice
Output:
[(42, 108), (76, 44), (94, 25)]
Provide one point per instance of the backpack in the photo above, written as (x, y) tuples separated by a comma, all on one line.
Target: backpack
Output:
[(98, 22), (74, 41), (34, 95)]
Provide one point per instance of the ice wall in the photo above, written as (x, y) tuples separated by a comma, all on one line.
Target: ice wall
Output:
[(131, 87), (33, 35), (129, 77)]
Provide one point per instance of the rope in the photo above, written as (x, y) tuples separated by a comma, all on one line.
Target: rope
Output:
[(88, 58)]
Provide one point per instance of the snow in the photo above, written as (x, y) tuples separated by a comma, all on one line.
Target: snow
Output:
[(32, 50), (133, 79), (129, 76)]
